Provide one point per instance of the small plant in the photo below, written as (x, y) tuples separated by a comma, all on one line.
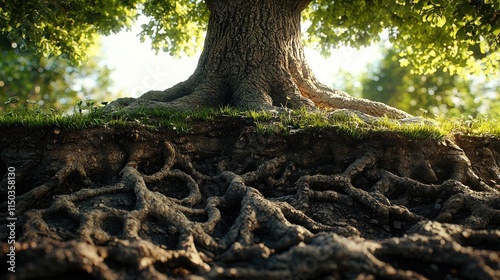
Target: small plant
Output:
[(229, 111), (90, 103), (259, 115), (286, 102), (14, 100), (79, 105)]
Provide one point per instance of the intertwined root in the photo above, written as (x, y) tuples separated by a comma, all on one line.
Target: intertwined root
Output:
[(264, 221)]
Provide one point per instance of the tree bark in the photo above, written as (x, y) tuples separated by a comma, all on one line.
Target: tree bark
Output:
[(253, 58)]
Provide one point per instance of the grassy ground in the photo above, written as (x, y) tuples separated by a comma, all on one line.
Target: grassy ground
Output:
[(286, 121)]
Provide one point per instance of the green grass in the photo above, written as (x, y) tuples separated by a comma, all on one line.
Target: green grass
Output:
[(283, 122)]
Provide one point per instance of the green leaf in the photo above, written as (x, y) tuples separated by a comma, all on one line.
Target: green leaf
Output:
[(496, 31), (461, 33), (441, 20), (467, 9), (484, 46)]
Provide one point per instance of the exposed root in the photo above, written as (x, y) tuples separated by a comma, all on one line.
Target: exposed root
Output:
[(450, 197), (266, 216), (455, 254), (95, 262), (190, 94), (336, 99), (31, 198), (310, 210), (257, 93)]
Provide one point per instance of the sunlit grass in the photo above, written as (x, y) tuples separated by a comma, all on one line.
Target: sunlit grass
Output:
[(478, 126), (284, 121), (419, 128)]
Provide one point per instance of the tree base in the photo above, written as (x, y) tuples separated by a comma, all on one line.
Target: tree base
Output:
[(171, 99), (228, 202)]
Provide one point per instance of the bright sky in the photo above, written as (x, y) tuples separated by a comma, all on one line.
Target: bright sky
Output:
[(136, 68)]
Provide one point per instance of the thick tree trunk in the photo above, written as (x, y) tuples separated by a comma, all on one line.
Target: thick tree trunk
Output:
[(253, 58), (257, 46)]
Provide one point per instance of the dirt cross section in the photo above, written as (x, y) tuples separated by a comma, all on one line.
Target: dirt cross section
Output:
[(226, 201)]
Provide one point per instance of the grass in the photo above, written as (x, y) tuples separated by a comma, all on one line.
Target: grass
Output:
[(283, 122)]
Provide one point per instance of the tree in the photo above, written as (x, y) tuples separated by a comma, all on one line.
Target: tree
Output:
[(440, 93), (226, 201), (253, 53), (48, 82)]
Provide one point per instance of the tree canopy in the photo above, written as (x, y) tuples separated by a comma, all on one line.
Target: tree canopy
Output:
[(449, 35), (430, 34)]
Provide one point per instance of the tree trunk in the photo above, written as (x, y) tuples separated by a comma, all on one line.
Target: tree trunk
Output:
[(253, 58)]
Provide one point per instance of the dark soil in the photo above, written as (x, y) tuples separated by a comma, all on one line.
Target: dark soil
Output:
[(227, 202)]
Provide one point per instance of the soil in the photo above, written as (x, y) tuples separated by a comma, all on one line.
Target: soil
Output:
[(225, 201)]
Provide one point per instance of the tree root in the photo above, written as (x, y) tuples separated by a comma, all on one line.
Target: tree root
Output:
[(302, 214), (455, 253), (255, 94)]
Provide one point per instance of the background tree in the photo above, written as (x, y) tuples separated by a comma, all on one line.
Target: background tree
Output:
[(253, 54), (440, 93), (49, 82)]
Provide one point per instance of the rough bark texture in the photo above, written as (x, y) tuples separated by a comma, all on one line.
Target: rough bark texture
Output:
[(227, 202), (253, 58)]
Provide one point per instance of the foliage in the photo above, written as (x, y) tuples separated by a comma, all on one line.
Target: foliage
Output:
[(431, 34), (284, 122), (48, 82), (439, 93), (175, 26), (63, 27)]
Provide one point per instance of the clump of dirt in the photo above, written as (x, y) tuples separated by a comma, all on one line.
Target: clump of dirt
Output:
[(225, 201)]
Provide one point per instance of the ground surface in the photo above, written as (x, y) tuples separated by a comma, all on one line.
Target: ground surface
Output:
[(227, 202)]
